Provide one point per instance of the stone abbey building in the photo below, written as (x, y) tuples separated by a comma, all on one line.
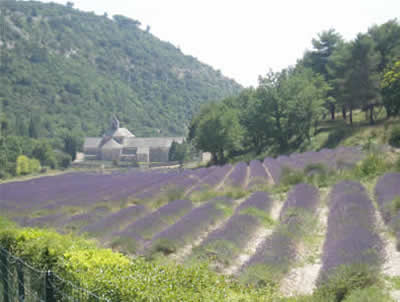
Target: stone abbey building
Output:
[(120, 144)]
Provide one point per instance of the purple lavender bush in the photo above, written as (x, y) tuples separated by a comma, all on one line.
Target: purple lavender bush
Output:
[(351, 235), (258, 175), (238, 176)]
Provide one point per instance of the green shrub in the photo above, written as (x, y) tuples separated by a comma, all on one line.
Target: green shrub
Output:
[(394, 206), (335, 137), (174, 193), (319, 175), (369, 294), (125, 244), (261, 275), (217, 251), (116, 277), (26, 165), (163, 246), (346, 279), (266, 220), (315, 168), (235, 193), (291, 177), (394, 139), (204, 195), (396, 165), (34, 165), (63, 160), (22, 167), (372, 165)]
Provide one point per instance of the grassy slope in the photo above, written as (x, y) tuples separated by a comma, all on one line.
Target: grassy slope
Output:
[(331, 134)]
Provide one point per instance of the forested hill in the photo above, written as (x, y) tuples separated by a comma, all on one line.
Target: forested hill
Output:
[(65, 69)]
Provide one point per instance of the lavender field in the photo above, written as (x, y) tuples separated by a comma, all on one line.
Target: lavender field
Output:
[(192, 215)]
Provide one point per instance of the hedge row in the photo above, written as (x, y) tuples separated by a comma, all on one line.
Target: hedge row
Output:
[(117, 277)]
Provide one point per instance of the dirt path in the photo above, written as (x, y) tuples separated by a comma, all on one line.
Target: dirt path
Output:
[(391, 257), (222, 183), (301, 280), (199, 180), (270, 178), (247, 179), (391, 262), (256, 240), (185, 251)]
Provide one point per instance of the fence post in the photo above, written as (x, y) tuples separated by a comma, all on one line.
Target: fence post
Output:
[(21, 283), (49, 287), (4, 275)]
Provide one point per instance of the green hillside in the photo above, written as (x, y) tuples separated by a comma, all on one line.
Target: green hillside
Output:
[(68, 69)]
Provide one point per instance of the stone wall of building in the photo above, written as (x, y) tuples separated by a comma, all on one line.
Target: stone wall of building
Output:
[(110, 154), (159, 155)]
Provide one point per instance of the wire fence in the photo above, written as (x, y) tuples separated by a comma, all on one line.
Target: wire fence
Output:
[(20, 282)]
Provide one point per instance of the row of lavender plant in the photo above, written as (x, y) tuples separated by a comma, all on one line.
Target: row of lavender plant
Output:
[(228, 241), (274, 257), (182, 181), (258, 175), (351, 235), (136, 234), (387, 192), (191, 225), (213, 179), (238, 176), (113, 222), (341, 157)]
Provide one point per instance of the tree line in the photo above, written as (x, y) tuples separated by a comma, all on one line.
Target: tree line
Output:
[(335, 76), (23, 155)]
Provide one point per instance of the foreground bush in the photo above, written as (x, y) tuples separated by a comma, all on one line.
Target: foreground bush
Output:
[(348, 282), (116, 277)]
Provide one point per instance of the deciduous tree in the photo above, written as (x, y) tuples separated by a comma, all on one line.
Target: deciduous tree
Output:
[(217, 130), (391, 90)]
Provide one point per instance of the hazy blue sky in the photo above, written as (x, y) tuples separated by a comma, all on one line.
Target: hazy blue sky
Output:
[(244, 39)]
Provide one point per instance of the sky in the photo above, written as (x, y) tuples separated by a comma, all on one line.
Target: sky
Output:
[(245, 39)]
